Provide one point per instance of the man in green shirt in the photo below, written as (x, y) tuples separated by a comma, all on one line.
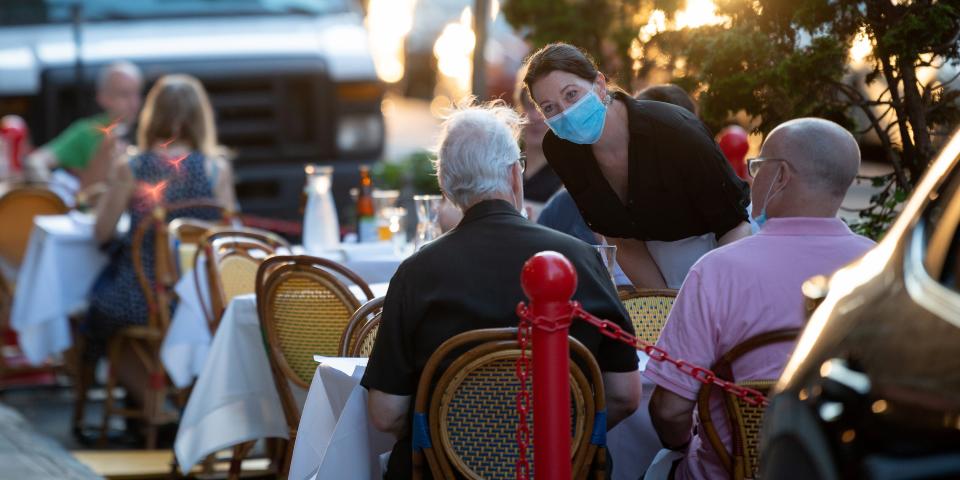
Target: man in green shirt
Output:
[(87, 147)]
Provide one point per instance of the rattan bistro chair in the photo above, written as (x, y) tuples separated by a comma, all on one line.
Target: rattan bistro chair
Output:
[(144, 340), (18, 206), (465, 415), (361, 332), (744, 420), (232, 257), (304, 306), (648, 309)]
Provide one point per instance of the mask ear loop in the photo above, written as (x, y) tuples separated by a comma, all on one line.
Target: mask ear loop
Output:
[(767, 197)]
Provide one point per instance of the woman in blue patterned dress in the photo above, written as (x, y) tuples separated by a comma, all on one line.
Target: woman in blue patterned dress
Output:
[(177, 160)]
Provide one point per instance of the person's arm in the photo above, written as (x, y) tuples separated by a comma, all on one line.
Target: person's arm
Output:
[(37, 165), (672, 417), (224, 191), (637, 264), (736, 233), (103, 158), (120, 188), (388, 413), (623, 391)]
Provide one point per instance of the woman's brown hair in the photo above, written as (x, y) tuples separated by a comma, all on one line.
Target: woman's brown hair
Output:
[(177, 108), (558, 56)]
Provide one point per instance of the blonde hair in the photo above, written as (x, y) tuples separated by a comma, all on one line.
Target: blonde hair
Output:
[(177, 108)]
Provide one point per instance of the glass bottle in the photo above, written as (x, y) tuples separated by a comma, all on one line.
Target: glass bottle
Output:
[(366, 216)]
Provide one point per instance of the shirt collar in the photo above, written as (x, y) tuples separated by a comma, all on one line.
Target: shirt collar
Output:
[(488, 207), (799, 226)]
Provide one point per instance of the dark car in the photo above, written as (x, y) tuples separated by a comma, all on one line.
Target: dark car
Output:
[(873, 387)]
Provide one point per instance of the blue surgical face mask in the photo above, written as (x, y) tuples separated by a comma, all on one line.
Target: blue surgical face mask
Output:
[(759, 221), (583, 122)]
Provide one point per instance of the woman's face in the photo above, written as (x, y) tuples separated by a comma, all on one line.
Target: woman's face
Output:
[(558, 90), (535, 128)]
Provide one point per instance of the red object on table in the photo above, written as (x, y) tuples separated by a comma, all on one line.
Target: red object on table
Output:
[(734, 144), (549, 280), (14, 132)]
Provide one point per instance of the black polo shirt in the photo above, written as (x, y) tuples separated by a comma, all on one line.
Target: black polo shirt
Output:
[(680, 184), (468, 279)]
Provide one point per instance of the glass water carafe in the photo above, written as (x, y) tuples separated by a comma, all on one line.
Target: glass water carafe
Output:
[(321, 229), (428, 215)]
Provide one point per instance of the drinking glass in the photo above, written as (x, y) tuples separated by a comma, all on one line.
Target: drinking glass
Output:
[(428, 213), (608, 253)]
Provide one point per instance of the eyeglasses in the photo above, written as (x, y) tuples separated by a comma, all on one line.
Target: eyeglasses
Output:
[(754, 164), (523, 163)]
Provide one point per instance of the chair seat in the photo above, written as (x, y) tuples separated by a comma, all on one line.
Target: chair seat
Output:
[(142, 332)]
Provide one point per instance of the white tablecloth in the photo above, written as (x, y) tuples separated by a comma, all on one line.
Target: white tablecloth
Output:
[(187, 344), (234, 399), (61, 263), (335, 438)]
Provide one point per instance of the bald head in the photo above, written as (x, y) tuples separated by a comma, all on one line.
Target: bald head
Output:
[(824, 155), (119, 90)]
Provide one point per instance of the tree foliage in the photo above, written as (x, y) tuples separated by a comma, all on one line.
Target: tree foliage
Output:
[(774, 60)]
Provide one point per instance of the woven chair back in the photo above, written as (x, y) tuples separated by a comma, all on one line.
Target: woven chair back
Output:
[(361, 331), (472, 411), (232, 257), (17, 209), (744, 420), (185, 235), (304, 308), (648, 310), (158, 284)]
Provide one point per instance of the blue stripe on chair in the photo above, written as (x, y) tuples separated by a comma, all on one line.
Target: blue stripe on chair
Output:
[(599, 435), (421, 435)]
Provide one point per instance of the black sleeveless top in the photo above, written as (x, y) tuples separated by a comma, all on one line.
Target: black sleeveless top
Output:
[(680, 184)]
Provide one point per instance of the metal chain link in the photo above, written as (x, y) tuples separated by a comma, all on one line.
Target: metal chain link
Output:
[(523, 394), (702, 375), (612, 330)]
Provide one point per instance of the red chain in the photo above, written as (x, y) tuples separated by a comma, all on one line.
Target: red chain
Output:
[(523, 395), (702, 375), (612, 330)]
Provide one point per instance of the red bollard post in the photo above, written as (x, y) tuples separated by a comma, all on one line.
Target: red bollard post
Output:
[(549, 280)]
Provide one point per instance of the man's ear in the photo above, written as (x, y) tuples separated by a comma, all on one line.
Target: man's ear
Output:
[(783, 178)]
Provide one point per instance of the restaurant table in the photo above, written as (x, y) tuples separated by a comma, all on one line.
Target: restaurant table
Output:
[(234, 399), (60, 265), (187, 342), (335, 438)]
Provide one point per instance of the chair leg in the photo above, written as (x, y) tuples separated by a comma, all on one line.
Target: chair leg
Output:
[(236, 461), (288, 455), (112, 358), (82, 382)]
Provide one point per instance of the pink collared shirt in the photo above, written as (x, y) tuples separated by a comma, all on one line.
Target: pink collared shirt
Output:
[(746, 288)]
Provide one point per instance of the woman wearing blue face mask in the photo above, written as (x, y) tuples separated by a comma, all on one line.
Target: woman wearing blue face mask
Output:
[(647, 175)]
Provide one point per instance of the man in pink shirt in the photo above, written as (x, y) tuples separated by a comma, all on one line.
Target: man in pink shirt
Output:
[(752, 286)]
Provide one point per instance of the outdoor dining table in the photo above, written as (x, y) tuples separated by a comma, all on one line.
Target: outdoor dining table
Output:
[(234, 399), (187, 342), (60, 265), (336, 440)]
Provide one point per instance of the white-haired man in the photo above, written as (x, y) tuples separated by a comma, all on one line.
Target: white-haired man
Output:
[(469, 278), (87, 147), (752, 286)]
